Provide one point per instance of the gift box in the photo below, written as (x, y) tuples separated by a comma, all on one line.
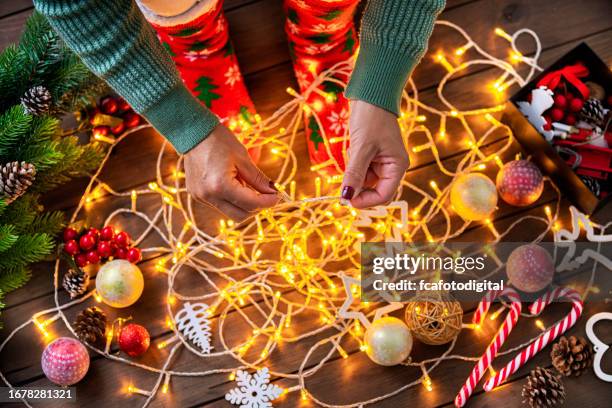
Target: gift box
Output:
[(562, 120)]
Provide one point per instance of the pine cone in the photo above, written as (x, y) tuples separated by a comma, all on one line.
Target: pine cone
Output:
[(75, 282), (593, 112), (37, 100), (90, 325), (571, 357), (15, 178), (544, 389)]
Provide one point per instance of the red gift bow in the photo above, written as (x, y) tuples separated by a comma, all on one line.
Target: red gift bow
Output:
[(571, 73)]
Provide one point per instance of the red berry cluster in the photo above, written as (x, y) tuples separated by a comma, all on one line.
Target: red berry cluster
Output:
[(565, 109), (92, 246), (118, 107)]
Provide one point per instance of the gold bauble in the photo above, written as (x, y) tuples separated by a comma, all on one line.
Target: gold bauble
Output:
[(434, 318), (119, 283), (388, 341), (473, 196)]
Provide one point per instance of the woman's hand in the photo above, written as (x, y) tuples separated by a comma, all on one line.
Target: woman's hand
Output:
[(377, 158), (219, 172)]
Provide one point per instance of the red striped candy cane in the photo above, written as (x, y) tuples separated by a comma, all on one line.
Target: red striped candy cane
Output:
[(542, 341), (499, 339)]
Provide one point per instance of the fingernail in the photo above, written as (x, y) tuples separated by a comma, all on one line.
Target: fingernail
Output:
[(272, 185), (347, 192)]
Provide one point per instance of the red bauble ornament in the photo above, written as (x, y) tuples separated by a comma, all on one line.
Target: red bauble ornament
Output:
[(557, 114), (101, 130), (123, 106), (94, 232), (87, 242), (530, 268), (104, 249), (520, 183), (560, 101), (92, 115), (93, 257), (131, 119), (107, 233), (81, 259), (71, 247), (134, 340), (134, 255), (109, 105), (65, 361), (570, 119), (120, 253), (70, 234), (122, 239), (576, 104), (118, 129)]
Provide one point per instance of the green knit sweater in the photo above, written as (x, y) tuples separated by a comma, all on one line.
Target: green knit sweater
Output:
[(116, 43)]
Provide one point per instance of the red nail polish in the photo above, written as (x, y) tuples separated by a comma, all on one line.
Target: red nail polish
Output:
[(347, 192)]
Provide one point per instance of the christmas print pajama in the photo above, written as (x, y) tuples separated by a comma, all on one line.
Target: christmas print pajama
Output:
[(321, 33)]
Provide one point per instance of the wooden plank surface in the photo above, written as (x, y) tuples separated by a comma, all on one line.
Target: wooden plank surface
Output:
[(340, 380)]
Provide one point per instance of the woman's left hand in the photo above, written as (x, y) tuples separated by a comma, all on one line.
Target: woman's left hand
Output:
[(377, 157)]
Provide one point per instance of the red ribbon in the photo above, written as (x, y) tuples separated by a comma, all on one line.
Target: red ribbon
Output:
[(571, 74)]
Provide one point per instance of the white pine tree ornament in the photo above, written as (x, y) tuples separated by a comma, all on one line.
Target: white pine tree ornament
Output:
[(192, 321), (253, 391)]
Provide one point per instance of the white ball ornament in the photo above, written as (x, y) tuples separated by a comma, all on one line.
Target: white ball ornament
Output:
[(473, 196), (119, 283), (388, 341), (65, 361)]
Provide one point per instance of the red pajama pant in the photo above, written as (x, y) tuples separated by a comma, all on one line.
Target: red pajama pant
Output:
[(320, 34)]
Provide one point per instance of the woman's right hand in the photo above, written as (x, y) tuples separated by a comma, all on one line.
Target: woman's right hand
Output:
[(219, 172)]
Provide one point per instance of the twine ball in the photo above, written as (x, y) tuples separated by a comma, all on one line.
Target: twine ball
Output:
[(65, 361), (530, 268), (520, 183), (434, 319), (473, 196), (119, 283), (388, 341)]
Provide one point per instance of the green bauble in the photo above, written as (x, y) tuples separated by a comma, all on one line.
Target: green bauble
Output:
[(119, 283), (388, 341)]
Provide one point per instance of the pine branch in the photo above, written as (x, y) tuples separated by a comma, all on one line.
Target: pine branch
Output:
[(27, 249), (14, 125), (7, 237), (50, 223), (21, 212), (14, 278)]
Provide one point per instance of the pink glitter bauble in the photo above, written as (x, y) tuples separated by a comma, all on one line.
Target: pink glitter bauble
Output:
[(530, 268), (65, 361), (520, 183)]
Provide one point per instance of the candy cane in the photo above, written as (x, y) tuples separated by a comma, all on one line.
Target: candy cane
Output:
[(561, 327), (491, 351)]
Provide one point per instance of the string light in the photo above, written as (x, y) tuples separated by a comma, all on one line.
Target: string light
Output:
[(288, 251)]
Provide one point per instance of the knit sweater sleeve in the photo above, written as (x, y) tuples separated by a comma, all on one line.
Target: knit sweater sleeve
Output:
[(114, 40), (394, 35)]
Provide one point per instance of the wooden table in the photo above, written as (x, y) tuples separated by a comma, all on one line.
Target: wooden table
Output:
[(560, 24)]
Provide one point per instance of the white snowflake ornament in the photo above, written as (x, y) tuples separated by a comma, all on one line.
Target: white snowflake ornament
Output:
[(253, 391), (192, 321)]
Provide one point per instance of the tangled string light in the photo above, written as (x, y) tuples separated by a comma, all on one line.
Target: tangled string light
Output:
[(302, 257)]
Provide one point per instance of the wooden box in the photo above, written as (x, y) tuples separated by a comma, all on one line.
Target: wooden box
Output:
[(544, 153)]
